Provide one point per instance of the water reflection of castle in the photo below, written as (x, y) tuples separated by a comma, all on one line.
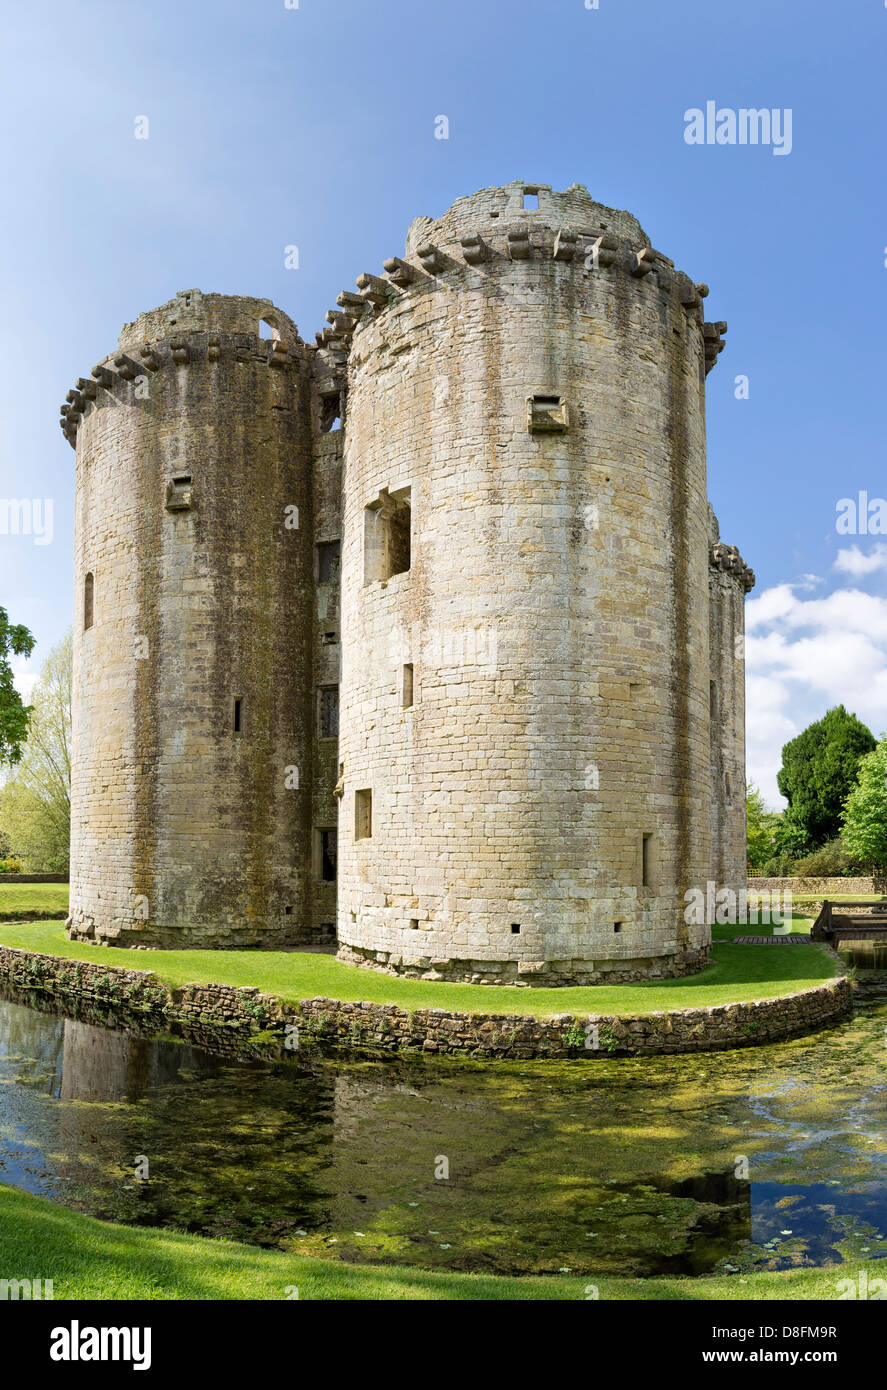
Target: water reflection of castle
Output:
[(99, 1065)]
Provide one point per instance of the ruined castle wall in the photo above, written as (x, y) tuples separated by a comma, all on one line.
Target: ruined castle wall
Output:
[(727, 628), (327, 639), (193, 697), (555, 612)]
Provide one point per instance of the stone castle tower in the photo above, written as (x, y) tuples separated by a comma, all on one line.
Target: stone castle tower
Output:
[(420, 638)]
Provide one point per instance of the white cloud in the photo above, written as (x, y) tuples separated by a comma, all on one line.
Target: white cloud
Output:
[(856, 562), (25, 675), (804, 655)]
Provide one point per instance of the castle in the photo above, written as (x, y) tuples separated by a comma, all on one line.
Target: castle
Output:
[(420, 638)]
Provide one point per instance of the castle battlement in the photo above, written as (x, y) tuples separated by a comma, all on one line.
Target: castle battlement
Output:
[(419, 638)]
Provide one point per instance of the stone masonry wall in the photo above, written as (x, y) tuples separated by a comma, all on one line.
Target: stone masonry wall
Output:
[(220, 1013), (193, 700), (820, 885), (511, 426), (555, 610), (729, 582)]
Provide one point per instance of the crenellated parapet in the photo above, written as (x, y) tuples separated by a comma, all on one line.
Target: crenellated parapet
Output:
[(221, 338), (728, 559), (484, 234)]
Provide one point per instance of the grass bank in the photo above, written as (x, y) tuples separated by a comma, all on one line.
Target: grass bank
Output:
[(736, 974), (90, 1259), (27, 901)]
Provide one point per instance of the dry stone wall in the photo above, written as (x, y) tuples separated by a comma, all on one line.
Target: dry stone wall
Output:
[(217, 1015)]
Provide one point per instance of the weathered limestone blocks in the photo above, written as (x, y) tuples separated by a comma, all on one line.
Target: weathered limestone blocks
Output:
[(522, 771), (193, 691), (540, 802)]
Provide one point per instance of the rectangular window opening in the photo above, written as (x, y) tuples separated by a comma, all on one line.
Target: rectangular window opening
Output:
[(329, 851), (414, 924), (407, 685), (363, 814), (617, 926), (547, 414), (713, 699), (531, 199), (328, 711), (328, 562), (387, 536), (330, 411), (238, 716), (646, 860), (88, 601), (515, 928)]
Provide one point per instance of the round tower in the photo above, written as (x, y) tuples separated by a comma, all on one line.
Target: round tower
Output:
[(192, 670), (525, 704)]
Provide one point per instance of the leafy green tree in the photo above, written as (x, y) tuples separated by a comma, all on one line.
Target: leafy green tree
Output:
[(35, 804), (761, 826), (818, 773), (791, 837), (15, 640), (865, 815)]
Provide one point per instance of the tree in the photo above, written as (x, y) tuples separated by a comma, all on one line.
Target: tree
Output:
[(35, 805), (865, 815), (818, 772), (761, 828), (15, 640)]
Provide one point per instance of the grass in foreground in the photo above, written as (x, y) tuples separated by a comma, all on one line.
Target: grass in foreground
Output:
[(90, 1259), (736, 973)]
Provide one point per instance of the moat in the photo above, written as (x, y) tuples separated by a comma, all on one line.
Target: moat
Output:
[(764, 1158)]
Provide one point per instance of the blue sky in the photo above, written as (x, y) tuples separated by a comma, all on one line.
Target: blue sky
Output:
[(314, 126)]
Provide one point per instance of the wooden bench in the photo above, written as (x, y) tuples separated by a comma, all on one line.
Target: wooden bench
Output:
[(837, 922)]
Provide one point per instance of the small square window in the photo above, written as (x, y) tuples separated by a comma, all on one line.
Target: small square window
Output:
[(546, 414), (179, 493)]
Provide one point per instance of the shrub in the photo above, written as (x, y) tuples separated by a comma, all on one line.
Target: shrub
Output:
[(781, 866), (831, 861)]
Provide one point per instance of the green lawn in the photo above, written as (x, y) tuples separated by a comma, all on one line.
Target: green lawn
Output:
[(799, 925), (736, 973), (21, 901), (90, 1259)]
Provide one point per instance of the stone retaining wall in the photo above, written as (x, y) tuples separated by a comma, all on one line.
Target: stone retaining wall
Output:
[(224, 1010), (34, 878), (825, 886)]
